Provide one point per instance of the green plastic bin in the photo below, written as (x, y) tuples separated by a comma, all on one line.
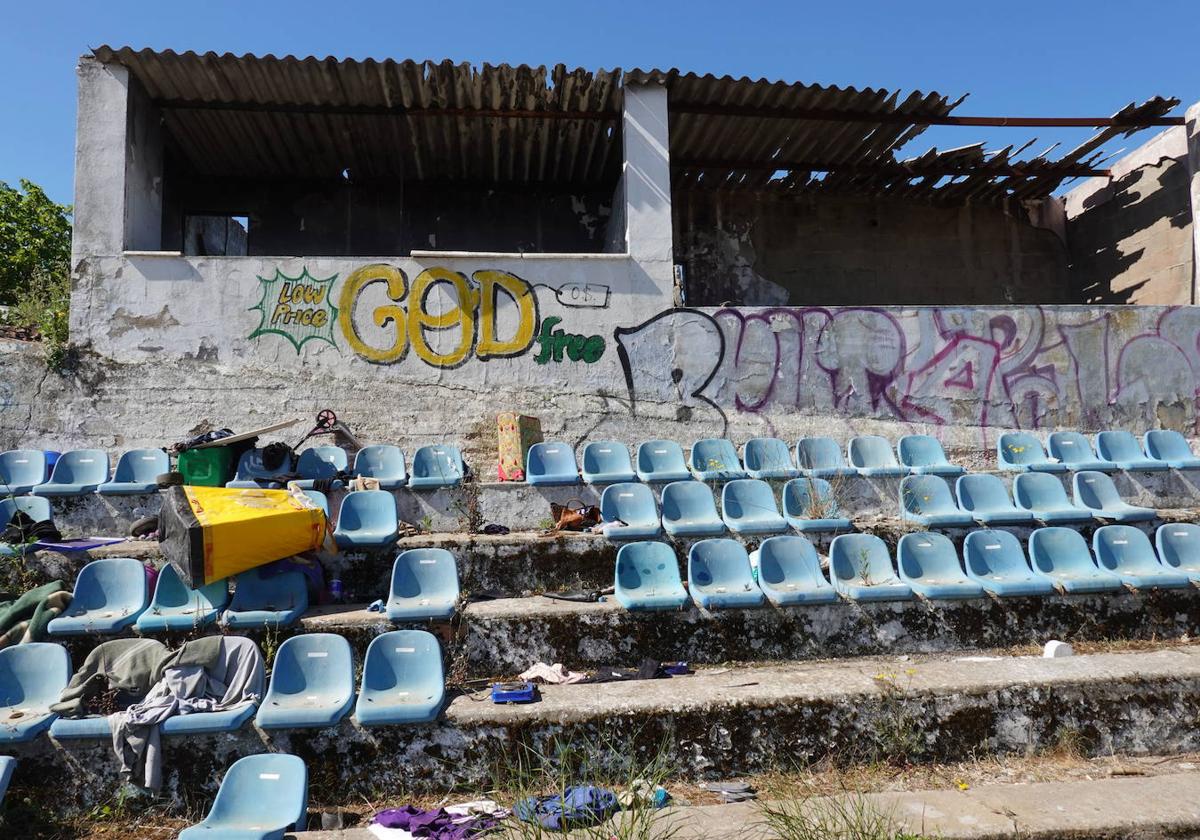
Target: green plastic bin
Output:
[(209, 467)]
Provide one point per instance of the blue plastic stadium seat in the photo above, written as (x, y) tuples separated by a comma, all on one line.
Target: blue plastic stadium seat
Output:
[(367, 519), (70, 729), (21, 470), (1074, 450), (177, 608), (821, 457), (384, 463), (260, 797), (690, 510), (252, 472), (1127, 553), (715, 459), (7, 765), (424, 585), (440, 465), (1096, 492), (861, 569), (986, 498), (1062, 555), (661, 461), (789, 572), (35, 507), (1021, 451), (137, 472), (32, 677), (929, 564), (647, 578), (318, 463), (402, 679), (748, 507), (312, 683), (628, 512), (273, 601), (995, 560), (606, 462), (809, 506), (320, 499), (872, 455), (1179, 548), (76, 473), (927, 500), (1123, 449), (768, 458), (1044, 496), (719, 575), (1172, 447), (109, 596), (551, 463), (923, 455)]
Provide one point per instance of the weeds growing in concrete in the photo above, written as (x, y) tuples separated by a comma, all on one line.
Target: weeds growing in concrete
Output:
[(848, 816)]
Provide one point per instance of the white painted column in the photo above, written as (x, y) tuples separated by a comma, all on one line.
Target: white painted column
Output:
[(1193, 164), (100, 134), (648, 231)]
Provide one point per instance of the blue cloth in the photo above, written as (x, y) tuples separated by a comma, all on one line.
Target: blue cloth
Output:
[(577, 807)]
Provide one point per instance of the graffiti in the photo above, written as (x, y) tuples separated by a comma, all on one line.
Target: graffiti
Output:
[(297, 308), (578, 348), (590, 295)]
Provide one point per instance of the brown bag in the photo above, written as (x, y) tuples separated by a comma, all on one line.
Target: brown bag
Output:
[(579, 517)]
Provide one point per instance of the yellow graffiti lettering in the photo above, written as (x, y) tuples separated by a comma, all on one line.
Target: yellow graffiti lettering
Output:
[(460, 314), (491, 282), (397, 288)]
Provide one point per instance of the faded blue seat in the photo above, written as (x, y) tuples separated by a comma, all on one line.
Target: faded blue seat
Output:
[(1062, 555), (1021, 451), (402, 680), (1127, 553), (927, 500), (260, 797), (789, 572), (367, 519), (768, 458), (86, 728), (1178, 548), (36, 508), (320, 499), (1044, 496), (137, 472), (252, 472), (929, 564), (312, 683), (995, 560), (821, 457), (32, 677), (178, 608), (647, 578), (551, 463), (384, 463), (861, 569), (748, 507), (76, 473), (273, 601), (660, 461), (109, 596), (690, 510), (319, 463), (7, 765), (986, 498), (424, 585), (715, 459), (809, 506), (923, 455), (440, 465), (719, 575), (1074, 450), (1096, 492), (21, 470), (606, 462), (1172, 447), (872, 456), (1123, 449), (628, 512)]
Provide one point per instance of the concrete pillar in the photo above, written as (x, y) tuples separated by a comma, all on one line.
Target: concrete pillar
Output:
[(647, 182), (1193, 163), (100, 132)]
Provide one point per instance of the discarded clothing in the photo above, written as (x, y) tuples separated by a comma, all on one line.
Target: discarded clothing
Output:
[(554, 674), (24, 619), (363, 482), (438, 824), (23, 529), (128, 667), (650, 669), (577, 807), (495, 529)]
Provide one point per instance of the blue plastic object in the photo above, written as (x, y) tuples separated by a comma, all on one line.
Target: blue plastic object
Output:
[(719, 575), (514, 692), (821, 457), (319, 463), (7, 765), (424, 585), (768, 458), (367, 519), (861, 569), (551, 463), (35, 507), (109, 596), (320, 499), (402, 680), (926, 500), (137, 472), (1062, 555), (272, 601), (76, 473), (748, 507), (628, 512), (660, 461), (809, 506), (1074, 450), (647, 578), (1178, 548), (986, 498), (789, 572), (995, 560), (689, 510), (1123, 449), (260, 797), (872, 456), (312, 683), (440, 465), (21, 470), (929, 564), (1172, 447), (252, 472), (1044, 496), (1096, 492), (384, 463), (606, 462), (32, 677), (923, 455), (1021, 451), (177, 608), (715, 459), (1127, 553)]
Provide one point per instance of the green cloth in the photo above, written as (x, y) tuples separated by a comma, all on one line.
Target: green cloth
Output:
[(25, 618), (130, 666)]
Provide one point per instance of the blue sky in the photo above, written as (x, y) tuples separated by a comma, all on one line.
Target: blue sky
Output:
[(1047, 58)]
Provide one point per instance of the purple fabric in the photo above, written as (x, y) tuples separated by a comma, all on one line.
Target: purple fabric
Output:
[(437, 825)]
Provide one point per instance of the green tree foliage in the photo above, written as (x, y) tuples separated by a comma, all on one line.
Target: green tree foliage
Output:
[(35, 238)]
